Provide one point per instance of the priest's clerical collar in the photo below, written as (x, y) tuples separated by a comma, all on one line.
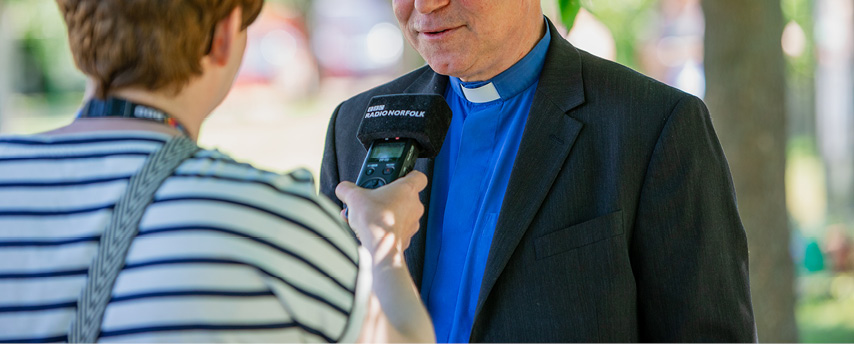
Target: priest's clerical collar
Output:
[(510, 82)]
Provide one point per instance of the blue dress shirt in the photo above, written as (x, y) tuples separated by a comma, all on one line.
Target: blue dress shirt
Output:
[(470, 177)]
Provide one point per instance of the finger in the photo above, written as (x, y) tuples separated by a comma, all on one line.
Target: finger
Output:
[(416, 180), (345, 190), (343, 215)]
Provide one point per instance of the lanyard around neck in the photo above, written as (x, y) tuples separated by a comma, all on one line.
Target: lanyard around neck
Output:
[(121, 108)]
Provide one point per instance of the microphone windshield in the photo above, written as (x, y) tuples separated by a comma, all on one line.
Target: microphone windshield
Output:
[(422, 117)]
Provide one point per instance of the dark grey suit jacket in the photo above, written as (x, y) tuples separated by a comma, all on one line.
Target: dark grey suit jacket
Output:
[(619, 223)]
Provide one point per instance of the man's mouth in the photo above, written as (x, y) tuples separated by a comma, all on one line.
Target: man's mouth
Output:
[(438, 33)]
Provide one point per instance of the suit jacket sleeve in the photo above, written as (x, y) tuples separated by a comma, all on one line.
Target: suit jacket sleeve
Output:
[(329, 174), (689, 249)]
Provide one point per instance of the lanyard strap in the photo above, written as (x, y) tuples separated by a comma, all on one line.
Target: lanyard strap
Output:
[(116, 239), (120, 108)]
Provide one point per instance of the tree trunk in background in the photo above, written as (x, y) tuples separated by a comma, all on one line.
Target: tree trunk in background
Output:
[(745, 74)]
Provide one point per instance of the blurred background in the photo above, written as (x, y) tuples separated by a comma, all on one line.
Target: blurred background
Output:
[(778, 76)]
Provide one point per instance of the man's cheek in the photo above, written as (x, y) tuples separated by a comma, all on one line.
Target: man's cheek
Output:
[(402, 10)]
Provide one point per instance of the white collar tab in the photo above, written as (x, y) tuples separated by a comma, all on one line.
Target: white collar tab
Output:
[(482, 94)]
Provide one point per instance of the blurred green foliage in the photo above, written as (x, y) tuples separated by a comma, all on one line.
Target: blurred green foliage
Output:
[(568, 11), (45, 64), (628, 21)]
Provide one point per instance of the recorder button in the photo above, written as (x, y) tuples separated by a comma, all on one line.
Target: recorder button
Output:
[(373, 183)]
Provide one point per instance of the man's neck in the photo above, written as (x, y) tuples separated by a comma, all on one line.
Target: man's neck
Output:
[(533, 38)]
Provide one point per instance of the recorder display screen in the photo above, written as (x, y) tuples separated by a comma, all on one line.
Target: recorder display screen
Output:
[(387, 151)]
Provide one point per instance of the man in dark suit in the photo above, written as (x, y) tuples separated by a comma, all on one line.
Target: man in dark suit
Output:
[(574, 199)]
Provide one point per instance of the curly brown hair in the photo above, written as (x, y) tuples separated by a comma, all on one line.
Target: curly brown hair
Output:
[(155, 44)]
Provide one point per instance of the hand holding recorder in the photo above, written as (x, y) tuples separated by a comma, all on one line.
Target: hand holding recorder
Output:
[(386, 216), (396, 130)]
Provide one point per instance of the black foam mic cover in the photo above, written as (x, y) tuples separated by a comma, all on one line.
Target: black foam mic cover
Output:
[(422, 117)]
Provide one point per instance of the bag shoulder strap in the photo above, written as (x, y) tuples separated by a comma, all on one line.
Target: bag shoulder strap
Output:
[(117, 238)]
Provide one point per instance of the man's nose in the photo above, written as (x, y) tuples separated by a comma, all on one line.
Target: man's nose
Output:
[(429, 6)]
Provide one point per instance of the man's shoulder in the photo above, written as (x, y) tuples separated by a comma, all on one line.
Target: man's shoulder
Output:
[(609, 95), (605, 78)]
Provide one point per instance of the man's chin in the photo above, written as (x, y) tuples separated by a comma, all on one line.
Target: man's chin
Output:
[(446, 68)]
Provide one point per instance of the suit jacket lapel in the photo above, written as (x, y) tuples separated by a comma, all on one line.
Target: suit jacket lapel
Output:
[(430, 83), (546, 142)]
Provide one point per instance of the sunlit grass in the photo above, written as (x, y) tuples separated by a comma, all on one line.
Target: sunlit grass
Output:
[(826, 320), (827, 316)]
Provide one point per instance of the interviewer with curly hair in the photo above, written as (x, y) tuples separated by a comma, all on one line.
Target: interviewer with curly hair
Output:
[(118, 227)]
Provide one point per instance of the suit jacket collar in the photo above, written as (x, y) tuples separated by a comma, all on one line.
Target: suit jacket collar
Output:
[(429, 82), (546, 142)]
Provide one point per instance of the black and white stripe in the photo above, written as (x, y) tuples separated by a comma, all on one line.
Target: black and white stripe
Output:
[(234, 253)]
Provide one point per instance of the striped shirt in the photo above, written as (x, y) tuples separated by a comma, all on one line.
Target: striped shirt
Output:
[(226, 252)]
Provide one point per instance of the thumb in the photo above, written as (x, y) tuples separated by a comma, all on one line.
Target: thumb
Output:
[(345, 191), (416, 180)]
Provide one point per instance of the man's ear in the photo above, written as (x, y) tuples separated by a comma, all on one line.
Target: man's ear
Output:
[(225, 37)]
